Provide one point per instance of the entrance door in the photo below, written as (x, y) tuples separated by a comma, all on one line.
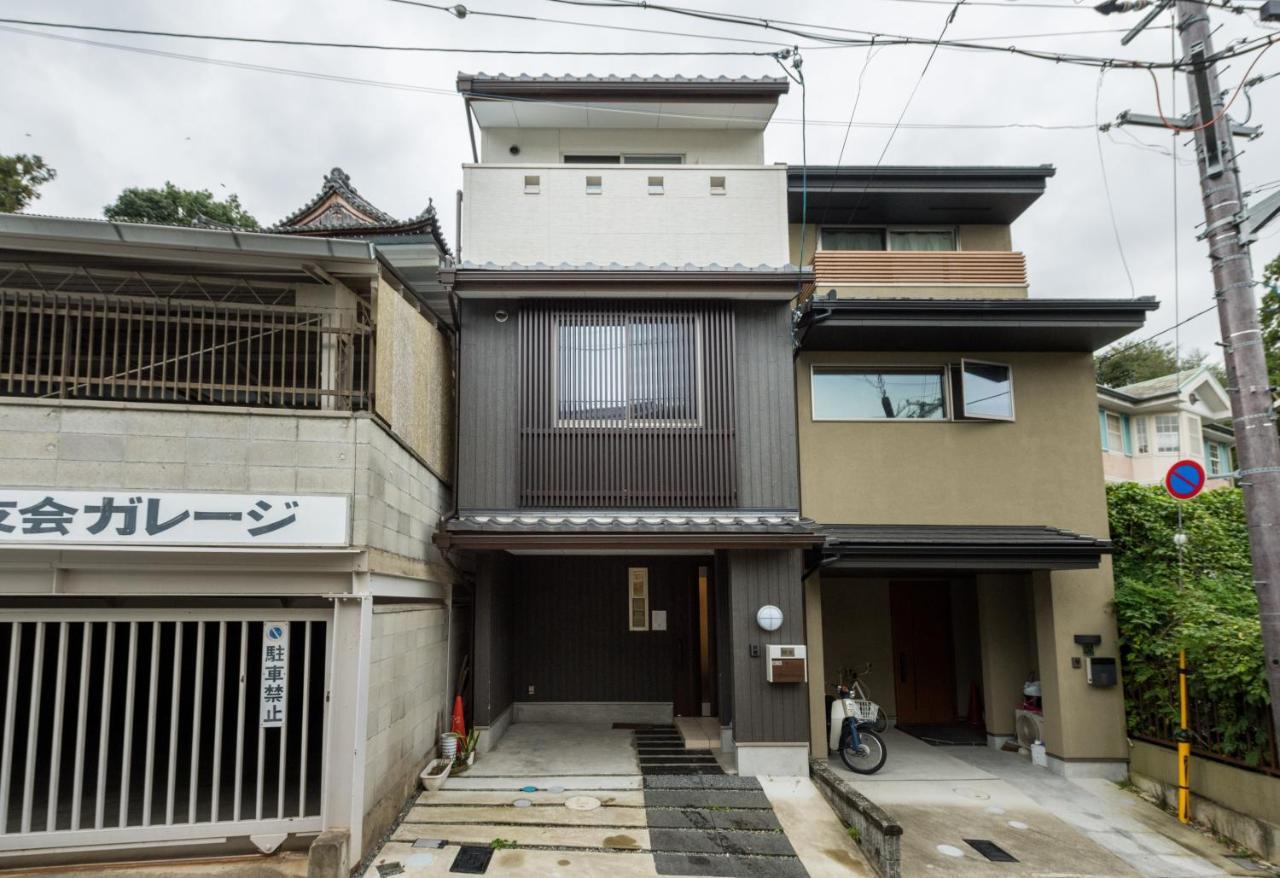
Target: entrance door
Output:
[(924, 662), (692, 628)]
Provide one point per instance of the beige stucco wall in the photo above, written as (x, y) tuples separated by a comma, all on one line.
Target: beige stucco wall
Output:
[(1007, 636), (549, 145), (855, 630), (414, 386), (624, 223), (1043, 468)]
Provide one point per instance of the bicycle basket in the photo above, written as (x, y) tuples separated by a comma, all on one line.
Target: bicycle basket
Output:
[(863, 711)]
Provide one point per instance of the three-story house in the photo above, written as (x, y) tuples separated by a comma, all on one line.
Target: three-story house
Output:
[(627, 472)]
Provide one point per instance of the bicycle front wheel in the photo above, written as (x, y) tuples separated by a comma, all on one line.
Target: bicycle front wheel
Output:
[(869, 758)]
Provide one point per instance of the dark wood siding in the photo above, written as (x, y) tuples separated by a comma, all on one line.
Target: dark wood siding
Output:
[(487, 459), (494, 617), (767, 462), (571, 640), (764, 711), (673, 448)]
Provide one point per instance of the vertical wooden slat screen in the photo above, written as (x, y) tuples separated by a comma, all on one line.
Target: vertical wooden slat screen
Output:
[(90, 346), (627, 406)]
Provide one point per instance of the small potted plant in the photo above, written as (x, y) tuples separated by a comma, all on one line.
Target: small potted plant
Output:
[(466, 751)]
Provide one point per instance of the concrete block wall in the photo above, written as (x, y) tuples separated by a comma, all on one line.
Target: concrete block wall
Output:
[(408, 697), (396, 500)]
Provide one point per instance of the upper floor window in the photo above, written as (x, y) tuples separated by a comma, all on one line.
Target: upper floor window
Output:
[(1167, 434), (626, 158), (1193, 433), (1115, 432), (1144, 442), (853, 394), (638, 371), (1213, 454), (986, 390), (887, 238)]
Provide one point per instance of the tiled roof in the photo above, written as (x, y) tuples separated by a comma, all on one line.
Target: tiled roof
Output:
[(613, 78), (977, 547), (633, 522), (638, 266), (349, 211), (1159, 385)]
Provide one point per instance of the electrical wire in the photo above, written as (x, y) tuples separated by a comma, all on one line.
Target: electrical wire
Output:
[(857, 98), (1106, 184), (452, 93), (774, 25), (380, 47), (1227, 106)]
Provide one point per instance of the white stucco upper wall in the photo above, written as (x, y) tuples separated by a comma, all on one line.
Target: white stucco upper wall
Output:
[(550, 145), (624, 223)]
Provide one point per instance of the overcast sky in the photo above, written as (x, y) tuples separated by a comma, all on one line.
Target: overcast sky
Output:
[(107, 118)]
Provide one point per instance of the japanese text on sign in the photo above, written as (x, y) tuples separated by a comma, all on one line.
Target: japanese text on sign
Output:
[(53, 516), (275, 675)]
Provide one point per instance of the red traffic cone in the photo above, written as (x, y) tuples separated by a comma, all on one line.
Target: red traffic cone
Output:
[(459, 724)]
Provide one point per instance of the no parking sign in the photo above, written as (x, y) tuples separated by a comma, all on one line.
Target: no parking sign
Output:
[(1184, 480)]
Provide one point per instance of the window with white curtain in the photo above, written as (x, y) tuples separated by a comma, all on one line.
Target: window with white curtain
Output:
[(1167, 434), (887, 238), (1193, 433), (633, 372), (1115, 433), (1144, 442)]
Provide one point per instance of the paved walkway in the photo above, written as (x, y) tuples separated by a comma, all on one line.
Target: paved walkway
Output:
[(574, 812), (944, 796)]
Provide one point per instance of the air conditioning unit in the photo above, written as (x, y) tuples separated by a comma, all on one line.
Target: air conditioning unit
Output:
[(1029, 727)]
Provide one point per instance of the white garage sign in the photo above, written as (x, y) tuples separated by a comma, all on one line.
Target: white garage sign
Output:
[(142, 518)]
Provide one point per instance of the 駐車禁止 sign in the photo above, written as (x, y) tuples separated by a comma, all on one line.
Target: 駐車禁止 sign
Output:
[(43, 516)]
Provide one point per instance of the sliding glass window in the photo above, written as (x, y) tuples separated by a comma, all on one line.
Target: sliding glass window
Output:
[(844, 394)]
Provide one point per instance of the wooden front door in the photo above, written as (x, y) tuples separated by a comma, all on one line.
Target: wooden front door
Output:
[(924, 661)]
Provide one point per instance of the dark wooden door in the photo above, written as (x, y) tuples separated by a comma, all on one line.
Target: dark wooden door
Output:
[(683, 621), (924, 662)]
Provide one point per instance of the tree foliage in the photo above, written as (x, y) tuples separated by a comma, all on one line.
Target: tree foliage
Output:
[(1213, 615), (1131, 363), (21, 177), (1270, 317), (172, 206)]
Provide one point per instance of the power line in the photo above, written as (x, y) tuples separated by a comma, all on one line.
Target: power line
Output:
[(1106, 185), (322, 44), (1245, 47), (451, 93)]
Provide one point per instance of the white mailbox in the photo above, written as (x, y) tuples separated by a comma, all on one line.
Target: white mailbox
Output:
[(786, 664)]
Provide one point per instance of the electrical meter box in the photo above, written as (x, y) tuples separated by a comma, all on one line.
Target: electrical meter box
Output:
[(786, 664), (1100, 671)]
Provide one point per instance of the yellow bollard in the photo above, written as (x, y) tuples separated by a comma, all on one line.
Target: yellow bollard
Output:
[(1184, 744)]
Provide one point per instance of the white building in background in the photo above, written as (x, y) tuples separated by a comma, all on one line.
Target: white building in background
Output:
[(1149, 425), (222, 623)]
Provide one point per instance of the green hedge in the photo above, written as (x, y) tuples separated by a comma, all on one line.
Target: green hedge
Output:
[(1214, 616)]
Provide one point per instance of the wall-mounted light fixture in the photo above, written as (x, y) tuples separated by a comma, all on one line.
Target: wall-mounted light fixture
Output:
[(769, 617)]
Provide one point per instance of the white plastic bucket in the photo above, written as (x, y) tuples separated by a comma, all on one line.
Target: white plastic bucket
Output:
[(448, 745)]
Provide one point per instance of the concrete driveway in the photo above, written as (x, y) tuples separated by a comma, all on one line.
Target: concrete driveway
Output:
[(572, 800), (945, 796)]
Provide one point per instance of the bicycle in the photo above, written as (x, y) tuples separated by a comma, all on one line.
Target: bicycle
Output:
[(861, 749)]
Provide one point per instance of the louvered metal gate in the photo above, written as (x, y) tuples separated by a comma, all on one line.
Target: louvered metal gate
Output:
[(141, 727)]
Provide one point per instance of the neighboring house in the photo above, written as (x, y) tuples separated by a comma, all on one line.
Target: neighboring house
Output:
[(1147, 426), (949, 453), (223, 454), (627, 484)]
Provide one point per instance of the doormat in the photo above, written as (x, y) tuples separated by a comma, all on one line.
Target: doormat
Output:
[(946, 735), (472, 860), (991, 850)]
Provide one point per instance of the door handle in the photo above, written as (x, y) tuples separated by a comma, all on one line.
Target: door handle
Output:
[(902, 666)]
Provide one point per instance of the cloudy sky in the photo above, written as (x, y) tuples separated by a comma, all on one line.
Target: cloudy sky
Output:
[(107, 117)]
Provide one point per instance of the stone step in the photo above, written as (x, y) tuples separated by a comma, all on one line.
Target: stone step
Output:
[(589, 782), (690, 818), (710, 782), (605, 838), (720, 841), (546, 815), (706, 799), (729, 866), (625, 798)]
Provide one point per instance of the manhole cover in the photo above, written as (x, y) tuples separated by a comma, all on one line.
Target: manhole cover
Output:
[(971, 793), (991, 850), (522, 803), (582, 803), (950, 850), (472, 860)]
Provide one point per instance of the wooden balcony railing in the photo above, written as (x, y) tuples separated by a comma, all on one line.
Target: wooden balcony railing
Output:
[(919, 268), (56, 345)]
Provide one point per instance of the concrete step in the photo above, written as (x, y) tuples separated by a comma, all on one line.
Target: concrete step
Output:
[(706, 799), (719, 841), (603, 838), (545, 782), (624, 798), (548, 815), (689, 818), (729, 866), (522, 863), (706, 782)]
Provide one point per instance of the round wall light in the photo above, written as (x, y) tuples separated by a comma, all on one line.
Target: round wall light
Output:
[(769, 617), (500, 316)]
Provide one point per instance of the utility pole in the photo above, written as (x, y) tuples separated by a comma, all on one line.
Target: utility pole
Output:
[(1230, 226)]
